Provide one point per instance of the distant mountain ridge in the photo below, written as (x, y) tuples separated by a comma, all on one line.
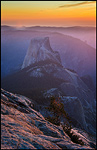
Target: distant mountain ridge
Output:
[(75, 54), (51, 27), (65, 28), (6, 27)]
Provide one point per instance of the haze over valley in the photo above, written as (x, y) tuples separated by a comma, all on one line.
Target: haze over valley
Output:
[(48, 75), (17, 42)]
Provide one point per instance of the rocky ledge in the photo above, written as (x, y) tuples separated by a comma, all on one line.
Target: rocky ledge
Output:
[(24, 128)]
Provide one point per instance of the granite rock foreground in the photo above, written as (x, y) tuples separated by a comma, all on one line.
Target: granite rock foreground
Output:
[(24, 128)]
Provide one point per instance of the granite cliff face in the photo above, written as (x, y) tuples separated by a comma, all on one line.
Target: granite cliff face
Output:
[(22, 127), (40, 50), (75, 54), (41, 72)]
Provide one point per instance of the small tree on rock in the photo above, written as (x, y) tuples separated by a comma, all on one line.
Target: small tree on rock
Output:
[(57, 109)]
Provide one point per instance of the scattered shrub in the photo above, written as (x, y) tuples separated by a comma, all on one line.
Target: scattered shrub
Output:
[(67, 129), (57, 109), (53, 120), (75, 139)]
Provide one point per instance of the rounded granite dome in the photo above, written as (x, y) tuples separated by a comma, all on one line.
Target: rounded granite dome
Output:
[(40, 50)]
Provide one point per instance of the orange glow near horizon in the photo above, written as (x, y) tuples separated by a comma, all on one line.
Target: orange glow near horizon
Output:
[(51, 13)]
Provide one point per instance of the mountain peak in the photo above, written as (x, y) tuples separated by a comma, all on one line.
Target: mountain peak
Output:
[(40, 50)]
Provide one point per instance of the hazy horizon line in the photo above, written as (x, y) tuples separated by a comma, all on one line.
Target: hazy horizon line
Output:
[(45, 26)]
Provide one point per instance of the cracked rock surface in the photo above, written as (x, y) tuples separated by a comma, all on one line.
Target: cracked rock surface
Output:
[(24, 128)]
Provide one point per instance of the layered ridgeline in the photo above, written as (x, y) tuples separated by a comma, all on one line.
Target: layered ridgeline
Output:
[(22, 127), (75, 54), (42, 75)]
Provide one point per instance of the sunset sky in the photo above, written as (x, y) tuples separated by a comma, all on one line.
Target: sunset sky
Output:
[(48, 13)]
